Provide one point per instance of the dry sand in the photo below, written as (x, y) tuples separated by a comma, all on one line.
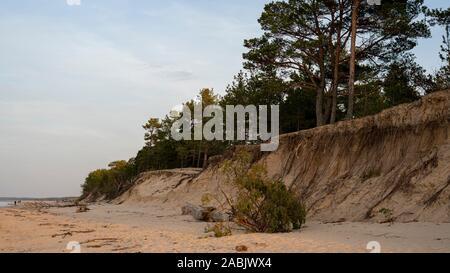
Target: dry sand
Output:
[(161, 228)]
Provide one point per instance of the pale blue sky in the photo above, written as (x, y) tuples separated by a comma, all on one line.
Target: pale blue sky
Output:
[(77, 82)]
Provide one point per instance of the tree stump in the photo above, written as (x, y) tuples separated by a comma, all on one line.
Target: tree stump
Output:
[(206, 214)]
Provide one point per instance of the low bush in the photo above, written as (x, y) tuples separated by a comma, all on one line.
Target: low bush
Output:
[(219, 230), (262, 204)]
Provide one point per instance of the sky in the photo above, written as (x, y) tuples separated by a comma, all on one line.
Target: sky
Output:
[(78, 78)]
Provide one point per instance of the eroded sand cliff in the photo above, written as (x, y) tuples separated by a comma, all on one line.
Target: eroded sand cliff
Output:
[(392, 165)]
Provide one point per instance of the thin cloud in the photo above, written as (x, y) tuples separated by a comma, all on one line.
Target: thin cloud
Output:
[(73, 2)]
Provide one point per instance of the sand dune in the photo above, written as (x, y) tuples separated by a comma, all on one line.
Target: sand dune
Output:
[(397, 161)]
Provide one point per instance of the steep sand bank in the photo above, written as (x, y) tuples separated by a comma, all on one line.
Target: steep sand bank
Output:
[(161, 228), (390, 166)]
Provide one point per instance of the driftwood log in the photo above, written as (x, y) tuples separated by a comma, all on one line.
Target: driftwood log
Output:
[(82, 208), (207, 214)]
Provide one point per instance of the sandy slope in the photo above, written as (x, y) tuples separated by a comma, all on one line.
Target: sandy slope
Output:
[(395, 164), (161, 228)]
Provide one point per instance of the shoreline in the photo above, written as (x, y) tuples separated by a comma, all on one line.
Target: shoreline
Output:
[(156, 228)]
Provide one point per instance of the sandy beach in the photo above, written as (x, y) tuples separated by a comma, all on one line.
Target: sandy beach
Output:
[(158, 228)]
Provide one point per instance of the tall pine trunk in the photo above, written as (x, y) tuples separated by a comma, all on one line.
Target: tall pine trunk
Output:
[(351, 81), (199, 155), (319, 106), (320, 88), (337, 62), (205, 159)]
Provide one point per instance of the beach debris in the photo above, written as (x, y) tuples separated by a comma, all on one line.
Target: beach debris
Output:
[(40, 205), (82, 208), (338, 221), (199, 213), (126, 248), (71, 232), (241, 248), (67, 225), (204, 213), (99, 239), (217, 216), (99, 242), (19, 215), (260, 244), (83, 231), (64, 235)]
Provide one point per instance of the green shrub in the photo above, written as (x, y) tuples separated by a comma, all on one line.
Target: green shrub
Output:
[(219, 230), (388, 215), (262, 204)]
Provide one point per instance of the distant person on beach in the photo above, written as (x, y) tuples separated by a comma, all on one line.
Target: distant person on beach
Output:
[(15, 203)]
